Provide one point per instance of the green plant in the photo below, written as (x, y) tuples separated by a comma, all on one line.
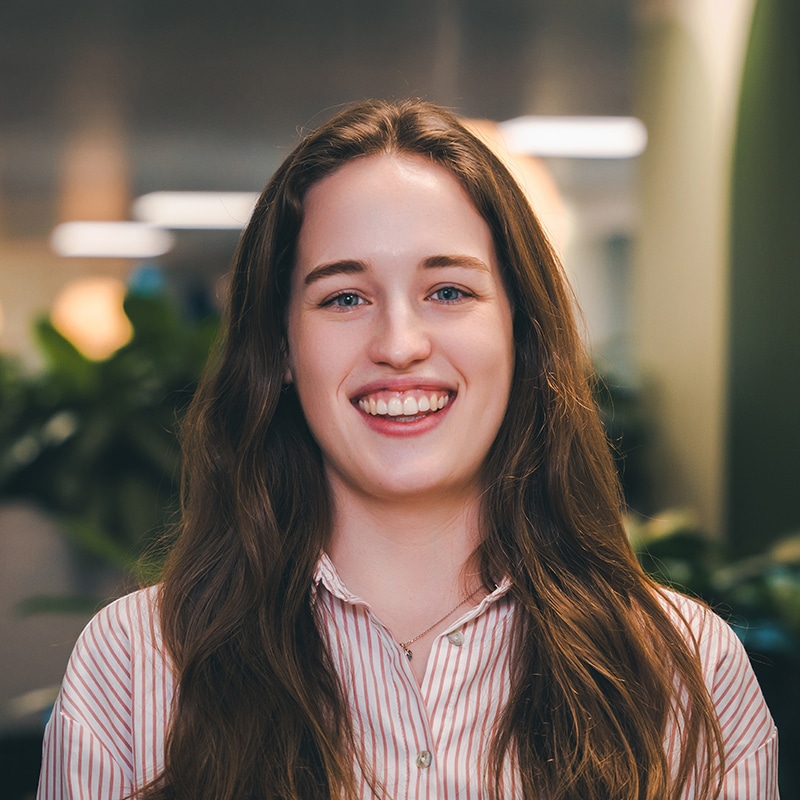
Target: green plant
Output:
[(760, 594), (93, 442)]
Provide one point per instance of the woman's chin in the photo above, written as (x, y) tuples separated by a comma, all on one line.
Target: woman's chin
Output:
[(415, 487)]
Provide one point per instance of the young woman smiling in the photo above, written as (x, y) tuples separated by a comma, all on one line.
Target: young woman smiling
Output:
[(401, 569)]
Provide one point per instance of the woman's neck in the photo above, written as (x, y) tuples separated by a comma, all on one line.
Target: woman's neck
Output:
[(403, 543), (410, 563)]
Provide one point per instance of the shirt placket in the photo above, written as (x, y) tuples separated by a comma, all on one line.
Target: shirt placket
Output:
[(413, 746), (449, 702)]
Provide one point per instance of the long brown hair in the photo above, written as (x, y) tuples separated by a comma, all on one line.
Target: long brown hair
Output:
[(259, 712)]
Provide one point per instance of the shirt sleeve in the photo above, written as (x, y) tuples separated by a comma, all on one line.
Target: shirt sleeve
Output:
[(76, 765), (89, 747), (749, 733)]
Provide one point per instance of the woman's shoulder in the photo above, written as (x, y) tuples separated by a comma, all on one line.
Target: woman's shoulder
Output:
[(123, 634), (693, 615), (723, 659), (142, 602), (131, 618)]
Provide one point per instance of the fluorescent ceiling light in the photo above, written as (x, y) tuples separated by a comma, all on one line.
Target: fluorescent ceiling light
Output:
[(220, 210), (575, 137), (110, 240)]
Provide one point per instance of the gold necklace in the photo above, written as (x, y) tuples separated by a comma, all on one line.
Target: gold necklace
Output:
[(405, 644)]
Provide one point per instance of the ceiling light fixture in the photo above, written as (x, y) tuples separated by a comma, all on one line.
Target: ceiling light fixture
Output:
[(110, 240), (575, 137), (213, 210)]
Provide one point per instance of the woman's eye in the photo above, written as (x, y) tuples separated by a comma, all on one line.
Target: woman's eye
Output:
[(449, 294), (345, 300)]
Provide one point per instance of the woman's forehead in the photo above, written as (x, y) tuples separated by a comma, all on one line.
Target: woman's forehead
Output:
[(389, 203)]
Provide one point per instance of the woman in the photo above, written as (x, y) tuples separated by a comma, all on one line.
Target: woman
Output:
[(401, 568)]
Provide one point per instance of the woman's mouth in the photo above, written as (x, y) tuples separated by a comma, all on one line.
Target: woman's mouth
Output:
[(404, 406)]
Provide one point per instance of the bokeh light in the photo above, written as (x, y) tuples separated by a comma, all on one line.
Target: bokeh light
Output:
[(89, 312)]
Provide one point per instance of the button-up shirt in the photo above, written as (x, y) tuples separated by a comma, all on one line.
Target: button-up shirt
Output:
[(106, 735)]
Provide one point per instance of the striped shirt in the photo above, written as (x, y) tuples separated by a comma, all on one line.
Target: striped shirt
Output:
[(106, 735)]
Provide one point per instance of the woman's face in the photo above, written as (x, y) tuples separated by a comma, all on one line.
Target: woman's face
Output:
[(399, 330)]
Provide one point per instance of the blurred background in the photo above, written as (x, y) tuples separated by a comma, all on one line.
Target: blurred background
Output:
[(675, 221)]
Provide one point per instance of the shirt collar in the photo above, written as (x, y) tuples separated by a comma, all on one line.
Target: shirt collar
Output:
[(327, 575)]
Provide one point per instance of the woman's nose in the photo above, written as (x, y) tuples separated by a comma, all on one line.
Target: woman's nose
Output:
[(399, 338)]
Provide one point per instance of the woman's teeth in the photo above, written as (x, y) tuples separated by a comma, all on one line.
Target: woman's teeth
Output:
[(403, 406)]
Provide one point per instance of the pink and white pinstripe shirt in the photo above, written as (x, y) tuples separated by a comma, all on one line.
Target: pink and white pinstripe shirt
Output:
[(106, 735)]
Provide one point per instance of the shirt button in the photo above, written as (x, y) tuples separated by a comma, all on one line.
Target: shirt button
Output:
[(456, 638), (424, 759)]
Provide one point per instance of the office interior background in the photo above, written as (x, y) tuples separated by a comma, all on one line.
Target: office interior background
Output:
[(683, 250)]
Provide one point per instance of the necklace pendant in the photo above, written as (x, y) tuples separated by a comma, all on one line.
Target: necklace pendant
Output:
[(408, 654)]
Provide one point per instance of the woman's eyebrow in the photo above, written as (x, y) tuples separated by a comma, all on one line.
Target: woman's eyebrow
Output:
[(353, 267), (346, 267), (470, 262)]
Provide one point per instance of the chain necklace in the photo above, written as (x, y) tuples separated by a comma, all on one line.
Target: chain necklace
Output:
[(405, 644)]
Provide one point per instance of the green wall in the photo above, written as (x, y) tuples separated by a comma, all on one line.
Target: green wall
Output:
[(763, 475)]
